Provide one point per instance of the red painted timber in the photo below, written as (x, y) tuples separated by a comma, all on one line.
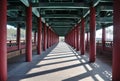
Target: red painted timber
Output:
[(92, 35), (18, 37), (87, 41), (103, 37), (35, 37), (78, 37), (75, 35), (82, 37), (39, 40), (116, 41), (29, 34), (45, 37), (3, 39)]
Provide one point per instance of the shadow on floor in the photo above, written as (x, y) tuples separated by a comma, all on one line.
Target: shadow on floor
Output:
[(54, 65), (18, 60)]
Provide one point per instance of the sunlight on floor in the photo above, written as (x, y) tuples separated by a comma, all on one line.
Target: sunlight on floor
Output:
[(58, 75), (99, 77), (83, 61), (63, 64), (88, 67), (89, 78)]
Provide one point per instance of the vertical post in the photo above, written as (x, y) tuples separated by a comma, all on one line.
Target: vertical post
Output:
[(103, 38), (48, 45), (3, 39), (116, 41), (82, 36), (71, 38), (78, 38), (39, 39), (35, 37), (75, 43), (92, 35), (45, 37), (87, 41), (47, 30), (50, 37), (18, 37), (74, 32), (29, 34)]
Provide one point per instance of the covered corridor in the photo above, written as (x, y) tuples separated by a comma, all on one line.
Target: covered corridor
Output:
[(60, 63), (42, 57)]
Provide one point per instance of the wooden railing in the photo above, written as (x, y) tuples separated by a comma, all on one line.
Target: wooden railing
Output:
[(108, 47), (12, 45)]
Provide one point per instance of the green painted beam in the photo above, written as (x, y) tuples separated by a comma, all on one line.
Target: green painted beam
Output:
[(12, 8), (61, 23), (11, 14), (106, 1), (105, 19), (13, 0), (25, 2), (35, 11), (16, 19), (61, 20), (60, 5), (106, 8), (61, 26), (46, 9), (96, 2), (61, 16)]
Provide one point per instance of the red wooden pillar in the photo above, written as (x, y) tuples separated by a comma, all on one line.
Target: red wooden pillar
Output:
[(48, 40), (18, 37), (39, 39), (78, 37), (50, 36), (74, 32), (103, 37), (29, 34), (87, 41), (82, 37), (92, 35), (35, 37), (45, 37), (73, 40), (74, 37), (3, 39), (116, 41)]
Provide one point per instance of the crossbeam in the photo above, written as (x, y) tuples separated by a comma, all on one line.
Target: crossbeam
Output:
[(61, 16), (60, 5)]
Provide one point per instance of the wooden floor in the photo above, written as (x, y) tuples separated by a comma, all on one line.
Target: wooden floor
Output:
[(59, 63)]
